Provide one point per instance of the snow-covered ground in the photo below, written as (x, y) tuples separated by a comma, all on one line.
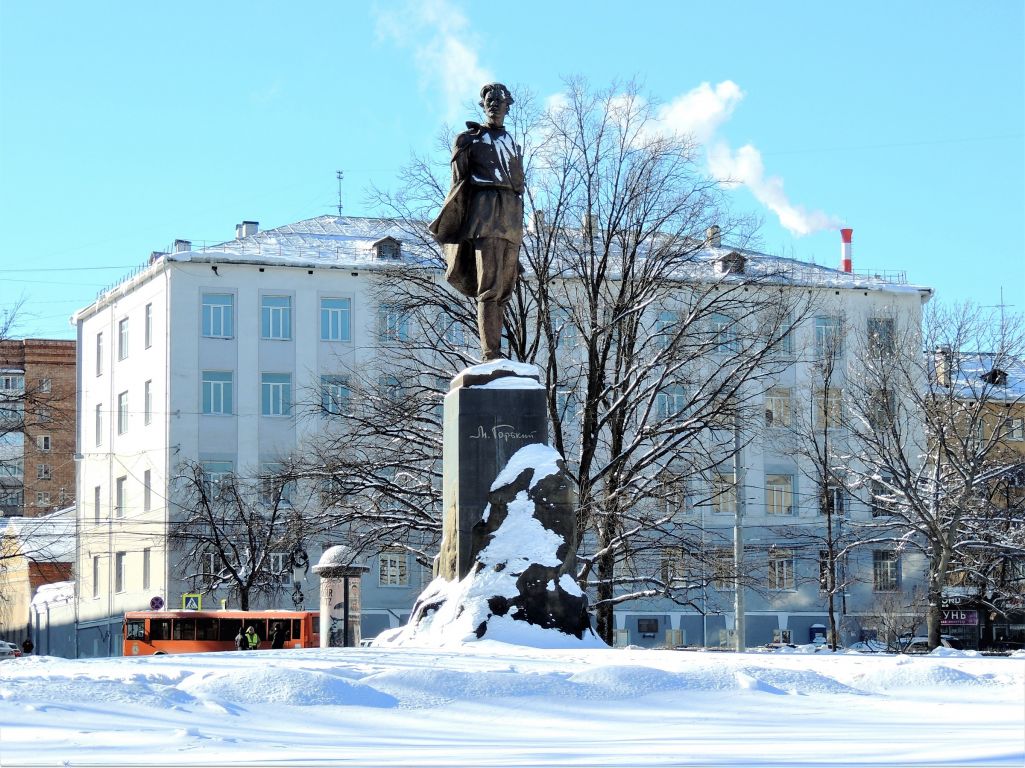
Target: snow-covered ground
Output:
[(491, 704)]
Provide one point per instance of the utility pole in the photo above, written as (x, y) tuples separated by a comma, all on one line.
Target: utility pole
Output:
[(339, 175), (739, 623)]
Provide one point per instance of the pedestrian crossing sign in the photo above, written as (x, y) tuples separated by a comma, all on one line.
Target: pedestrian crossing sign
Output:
[(192, 602)]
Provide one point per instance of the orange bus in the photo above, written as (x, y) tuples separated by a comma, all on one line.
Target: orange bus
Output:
[(159, 632)]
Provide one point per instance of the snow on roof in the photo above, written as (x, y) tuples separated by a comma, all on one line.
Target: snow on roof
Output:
[(49, 594), (47, 538), (1000, 377)]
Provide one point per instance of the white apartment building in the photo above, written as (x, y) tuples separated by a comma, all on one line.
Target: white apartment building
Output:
[(204, 354)]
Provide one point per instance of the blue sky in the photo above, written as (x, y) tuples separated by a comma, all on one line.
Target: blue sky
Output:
[(125, 125)]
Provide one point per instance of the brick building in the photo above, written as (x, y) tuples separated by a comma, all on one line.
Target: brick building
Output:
[(37, 425)]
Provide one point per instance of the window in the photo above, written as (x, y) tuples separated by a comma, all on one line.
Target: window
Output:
[(567, 336), (675, 567), (62, 496), (393, 568), (665, 328), (778, 408), (147, 402), (394, 323), (824, 570), (672, 401), (216, 475), (276, 318), (335, 319), (885, 570), (828, 336), (779, 494), (724, 493), (882, 496), (334, 394), (828, 408), (217, 393), (13, 468), (147, 490), (96, 504), (99, 354), (11, 501), (218, 315), (12, 415), (781, 569), (279, 568), (122, 339), (119, 496), (722, 569), (43, 443), (455, 332), (881, 337), (275, 487), (12, 382), (45, 385), (882, 410), (119, 571), (834, 501), (42, 498), (724, 336), (146, 566), (122, 413), (647, 627), (44, 415), (42, 471), (99, 424), (209, 565), (96, 576), (391, 388), (276, 394), (1016, 429), (147, 332)]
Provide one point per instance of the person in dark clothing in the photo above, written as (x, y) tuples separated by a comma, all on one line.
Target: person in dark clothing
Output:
[(277, 637), (27, 646), (240, 641)]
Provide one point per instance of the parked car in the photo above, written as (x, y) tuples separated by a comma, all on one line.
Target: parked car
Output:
[(921, 644), (868, 646), (9, 650)]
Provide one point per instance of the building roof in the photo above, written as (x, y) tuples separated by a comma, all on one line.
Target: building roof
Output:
[(47, 538), (1001, 378)]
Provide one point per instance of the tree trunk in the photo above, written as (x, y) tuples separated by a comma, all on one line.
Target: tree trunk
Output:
[(604, 614)]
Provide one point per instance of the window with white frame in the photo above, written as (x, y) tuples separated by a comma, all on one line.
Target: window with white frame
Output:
[(394, 323), (781, 569), (828, 408), (96, 504), (276, 394), (119, 571), (675, 567), (391, 388), (12, 382), (216, 475), (1016, 429), (666, 325), (885, 570), (147, 402), (42, 498), (723, 334), (42, 471), (672, 401), (275, 487), (564, 328), (146, 567), (218, 389), (122, 339), (96, 576), (122, 413), (44, 415), (722, 569), (828, 336), (209, 566), (11, 501), (881, 335), (218, 315), (99, 353), (882, 496), (779, 494), (882, 411), (45, 385), (280, 571), (147, 329), (724, 493), (778, 407), (334, 394), (335, 319), (276, 318), (98, 424), (147, 490), (455, 332), (43, 443), (12, 468), (394, 568), (119, 496)]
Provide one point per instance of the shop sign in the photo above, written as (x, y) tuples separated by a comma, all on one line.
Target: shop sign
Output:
[(959, 618)]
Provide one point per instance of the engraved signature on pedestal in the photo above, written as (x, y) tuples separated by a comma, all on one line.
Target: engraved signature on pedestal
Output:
[(503, 432)]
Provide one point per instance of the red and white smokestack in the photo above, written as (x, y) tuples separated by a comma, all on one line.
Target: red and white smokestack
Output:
[(845, 250)]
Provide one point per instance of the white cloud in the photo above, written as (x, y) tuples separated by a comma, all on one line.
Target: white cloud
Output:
[(444, 47), (700, 113)]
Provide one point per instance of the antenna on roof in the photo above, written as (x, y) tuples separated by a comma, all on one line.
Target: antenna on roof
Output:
[(340, 175)]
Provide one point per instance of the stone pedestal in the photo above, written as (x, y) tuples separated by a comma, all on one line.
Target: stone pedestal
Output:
[(491, 412), (340, 614)]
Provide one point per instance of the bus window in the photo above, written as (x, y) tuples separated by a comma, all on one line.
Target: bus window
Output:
[(184, 629), (229, 628), (206, 629), (160, 629), (136, 630)]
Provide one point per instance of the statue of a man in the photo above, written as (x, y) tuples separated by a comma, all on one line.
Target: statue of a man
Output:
[(481, 223)]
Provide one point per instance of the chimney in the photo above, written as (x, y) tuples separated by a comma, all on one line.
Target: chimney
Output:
[(845, 250), (246, 229), (180, 246), (712, 237), (155, 256), (943, 360)]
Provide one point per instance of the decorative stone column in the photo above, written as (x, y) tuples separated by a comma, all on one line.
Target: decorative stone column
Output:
[(339, 597)]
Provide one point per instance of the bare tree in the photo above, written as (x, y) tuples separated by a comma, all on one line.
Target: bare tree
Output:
[(930, 430), (235, 534)]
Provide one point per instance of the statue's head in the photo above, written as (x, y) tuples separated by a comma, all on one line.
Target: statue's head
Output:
[(495, 100)]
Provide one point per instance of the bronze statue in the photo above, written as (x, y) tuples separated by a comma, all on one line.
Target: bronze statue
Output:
[(480, 226)]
